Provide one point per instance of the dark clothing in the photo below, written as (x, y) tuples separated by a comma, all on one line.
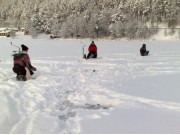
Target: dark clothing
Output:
[(24, 48), (22, 60), (92, 55), (143, 51), (92, 51), (19, 70)]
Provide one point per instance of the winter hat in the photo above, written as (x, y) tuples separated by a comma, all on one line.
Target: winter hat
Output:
[(24, 48)]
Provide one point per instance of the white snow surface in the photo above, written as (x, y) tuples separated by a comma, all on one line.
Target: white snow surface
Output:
[(119, 92)]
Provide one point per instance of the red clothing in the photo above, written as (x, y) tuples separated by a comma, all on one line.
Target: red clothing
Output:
[(22, 59), (92, 48)]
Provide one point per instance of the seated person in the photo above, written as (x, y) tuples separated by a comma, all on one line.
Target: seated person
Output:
[(21, 63), (143, 50), (92, 51)]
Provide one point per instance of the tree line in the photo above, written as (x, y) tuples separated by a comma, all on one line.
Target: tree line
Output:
[(90, 18)]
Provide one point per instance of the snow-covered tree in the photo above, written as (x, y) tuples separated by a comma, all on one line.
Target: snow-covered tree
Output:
[(90, 18)]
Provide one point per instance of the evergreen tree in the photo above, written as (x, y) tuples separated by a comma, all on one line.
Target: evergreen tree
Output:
[(91, 18)]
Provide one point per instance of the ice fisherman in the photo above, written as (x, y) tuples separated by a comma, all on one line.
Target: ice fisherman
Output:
[(22, 64), (92, 51), (143, 50)]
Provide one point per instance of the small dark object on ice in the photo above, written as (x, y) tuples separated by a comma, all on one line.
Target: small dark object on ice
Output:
[(84, 56)]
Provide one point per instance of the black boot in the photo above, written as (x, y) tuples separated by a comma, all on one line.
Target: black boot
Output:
[(21, 78)]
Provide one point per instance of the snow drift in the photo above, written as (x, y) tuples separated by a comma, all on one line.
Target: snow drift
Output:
[(119, 92)]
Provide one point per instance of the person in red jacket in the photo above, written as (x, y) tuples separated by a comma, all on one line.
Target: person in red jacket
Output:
[(21, 63), (92, 51)]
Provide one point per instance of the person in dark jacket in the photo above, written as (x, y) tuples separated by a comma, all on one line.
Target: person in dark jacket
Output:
[(92, 51), (21, 63), (143, 50)]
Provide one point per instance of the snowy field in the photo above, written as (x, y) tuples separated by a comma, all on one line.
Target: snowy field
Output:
[(119, 92)]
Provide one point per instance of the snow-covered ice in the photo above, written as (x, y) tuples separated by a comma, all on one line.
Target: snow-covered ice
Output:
[(119, 92)]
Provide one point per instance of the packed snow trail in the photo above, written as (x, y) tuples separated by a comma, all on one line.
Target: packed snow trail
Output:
[(69, 91)]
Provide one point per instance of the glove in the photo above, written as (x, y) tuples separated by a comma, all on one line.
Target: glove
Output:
[(33, 68)]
